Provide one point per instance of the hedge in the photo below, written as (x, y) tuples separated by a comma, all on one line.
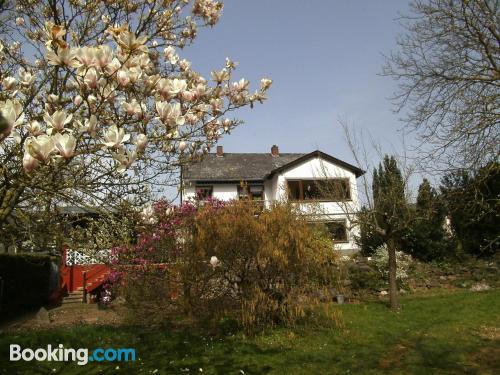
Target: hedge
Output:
[(26, 280)]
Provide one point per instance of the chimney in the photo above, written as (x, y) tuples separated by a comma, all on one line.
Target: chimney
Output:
[(275, 151), (220, 151)]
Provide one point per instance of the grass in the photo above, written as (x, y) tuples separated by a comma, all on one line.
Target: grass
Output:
[(454, 333)]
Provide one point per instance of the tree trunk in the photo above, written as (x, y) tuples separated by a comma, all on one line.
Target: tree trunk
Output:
[(9, 199), (393, 286)]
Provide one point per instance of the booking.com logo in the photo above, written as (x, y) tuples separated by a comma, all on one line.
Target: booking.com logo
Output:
[(80, 356)]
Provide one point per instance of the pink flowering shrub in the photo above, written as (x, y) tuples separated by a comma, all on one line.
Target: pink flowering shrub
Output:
[(204, 261)]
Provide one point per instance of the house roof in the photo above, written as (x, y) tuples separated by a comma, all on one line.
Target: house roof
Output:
[(236, 166), (252, 166)]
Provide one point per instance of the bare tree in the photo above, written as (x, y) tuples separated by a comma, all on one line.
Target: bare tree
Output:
[(448, 71)]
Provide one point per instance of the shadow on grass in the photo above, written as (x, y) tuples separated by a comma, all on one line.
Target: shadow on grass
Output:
[(431, 335)]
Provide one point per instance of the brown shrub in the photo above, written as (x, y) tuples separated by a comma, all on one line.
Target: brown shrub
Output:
[(269, 267)]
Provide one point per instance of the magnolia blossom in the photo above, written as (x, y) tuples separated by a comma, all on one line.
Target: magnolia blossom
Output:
[(126, 159), (129, 42), (123, 77), (184, 64), (78, 100), (241, 85), (103, 56), (170, 113), (29, 162), (63, 57), (132, 108), (187, 95), (87, 74), (134, 73), (65, 144), (182, 146), (220, 76), (9, 83), (141, 143), (176, 86), (40, 147), (91, 78), (265, 83), (34, 128), (25, 77), (90, 126), (171, 55), (115, 137), (92, 99), (54, 34), (12, 112), (19, 21), (57, 121), (200, 90), (86, 56), (217, 105)]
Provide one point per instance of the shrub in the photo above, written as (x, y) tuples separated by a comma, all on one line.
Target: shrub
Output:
[(366, 279), (212, 261), (403, 262), (26, 280)]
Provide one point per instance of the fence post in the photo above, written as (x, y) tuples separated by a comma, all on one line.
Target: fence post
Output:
[(84, 286)]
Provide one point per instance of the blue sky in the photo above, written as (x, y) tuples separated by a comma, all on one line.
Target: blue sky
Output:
[(324, 57)]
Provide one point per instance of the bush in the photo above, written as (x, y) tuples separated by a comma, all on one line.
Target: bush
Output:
[(26, 281), (213, 261), (366, 279), (403, 261)]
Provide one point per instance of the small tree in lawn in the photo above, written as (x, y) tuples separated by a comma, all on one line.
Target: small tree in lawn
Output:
[(389, 215), (385, 217), (97, 104)]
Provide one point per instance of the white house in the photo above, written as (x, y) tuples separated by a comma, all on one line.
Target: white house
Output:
[(323, 187)]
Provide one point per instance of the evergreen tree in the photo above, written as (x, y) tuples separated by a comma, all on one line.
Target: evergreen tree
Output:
[(473, 206), (389, 196), (427, 238)]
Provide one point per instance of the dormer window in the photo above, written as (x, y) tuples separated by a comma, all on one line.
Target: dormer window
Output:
[(250, 192), (204, 192)]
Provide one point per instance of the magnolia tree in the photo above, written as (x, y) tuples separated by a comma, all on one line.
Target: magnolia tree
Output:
[(98, 104)]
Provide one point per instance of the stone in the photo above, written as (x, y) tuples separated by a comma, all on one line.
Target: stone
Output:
[(479, 287), (43, 316)]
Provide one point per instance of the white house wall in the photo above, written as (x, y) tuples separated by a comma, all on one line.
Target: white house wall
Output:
[(318, 168), (224, 192), (275, 190)]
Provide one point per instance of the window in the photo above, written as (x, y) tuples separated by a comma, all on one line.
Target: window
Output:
[(252, 192), (294, 190), (204, 192), (338, 230), (336, 189)]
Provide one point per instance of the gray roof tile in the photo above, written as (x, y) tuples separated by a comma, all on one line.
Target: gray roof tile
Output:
[(251, 166), (237, 166)]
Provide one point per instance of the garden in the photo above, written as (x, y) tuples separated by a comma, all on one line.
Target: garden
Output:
[(441, 332), (101, 112)]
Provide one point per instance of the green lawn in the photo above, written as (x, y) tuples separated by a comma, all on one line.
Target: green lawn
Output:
[(456, 333)]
